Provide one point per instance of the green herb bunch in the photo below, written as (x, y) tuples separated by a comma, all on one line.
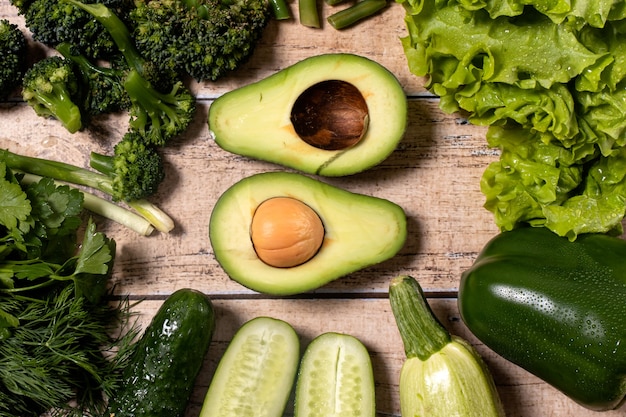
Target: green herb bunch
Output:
[(58, 349)]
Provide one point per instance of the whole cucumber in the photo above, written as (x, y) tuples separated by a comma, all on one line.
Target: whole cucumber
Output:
[(167, 358)]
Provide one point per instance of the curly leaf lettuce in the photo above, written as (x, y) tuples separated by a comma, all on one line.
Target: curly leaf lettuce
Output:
[(610, 71), (552, 93), (576, 12), (526, 50), (544, 184)]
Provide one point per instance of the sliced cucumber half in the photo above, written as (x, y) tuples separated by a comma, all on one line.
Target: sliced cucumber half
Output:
[(335, 379), (255, 375)]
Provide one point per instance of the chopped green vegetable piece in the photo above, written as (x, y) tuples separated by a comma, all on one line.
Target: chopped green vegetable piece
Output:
[(355, 13), (309, 13)]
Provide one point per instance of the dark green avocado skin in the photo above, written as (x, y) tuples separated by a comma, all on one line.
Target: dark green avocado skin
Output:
[(554, 307)]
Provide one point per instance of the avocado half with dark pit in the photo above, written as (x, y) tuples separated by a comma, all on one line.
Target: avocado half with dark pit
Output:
[(330, 115), (358, 231)]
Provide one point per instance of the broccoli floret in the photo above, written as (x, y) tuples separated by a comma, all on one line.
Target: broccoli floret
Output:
[(60, 171), (101, 88), (136, 169), (203, 38), (12, 57), (156, 114), (50, 87), (52, 22)]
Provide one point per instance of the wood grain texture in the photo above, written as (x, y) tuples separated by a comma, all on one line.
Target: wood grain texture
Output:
[(434, 175)]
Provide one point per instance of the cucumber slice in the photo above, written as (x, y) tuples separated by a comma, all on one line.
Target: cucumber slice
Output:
[(255, 376), (335, 379)]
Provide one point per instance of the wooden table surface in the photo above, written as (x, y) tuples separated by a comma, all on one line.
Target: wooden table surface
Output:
[(434, 175)]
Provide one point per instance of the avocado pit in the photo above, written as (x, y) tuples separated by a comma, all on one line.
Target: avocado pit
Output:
[(330, 115), (285, 232)]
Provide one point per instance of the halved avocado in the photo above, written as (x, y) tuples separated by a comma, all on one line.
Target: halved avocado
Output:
[(257, 120), (359, 231)]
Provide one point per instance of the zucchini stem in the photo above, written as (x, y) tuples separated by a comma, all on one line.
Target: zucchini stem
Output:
[(422, 334)]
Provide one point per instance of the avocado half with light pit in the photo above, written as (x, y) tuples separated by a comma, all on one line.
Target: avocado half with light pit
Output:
[(330, 115), (285, 233)]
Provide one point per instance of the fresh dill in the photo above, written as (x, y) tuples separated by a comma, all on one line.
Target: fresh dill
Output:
[(61, 349)]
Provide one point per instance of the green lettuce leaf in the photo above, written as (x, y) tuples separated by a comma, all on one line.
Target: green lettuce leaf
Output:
[(544, 184), (601, 205), (530, 174), (457, 50), (575, 12), (549, 79)]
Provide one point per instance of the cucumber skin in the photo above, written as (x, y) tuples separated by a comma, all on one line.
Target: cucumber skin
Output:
[(167, 358)]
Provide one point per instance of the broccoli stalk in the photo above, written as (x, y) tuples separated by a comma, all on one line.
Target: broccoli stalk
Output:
[(157, 115), (60, 171), (117, 29), (50, 88)]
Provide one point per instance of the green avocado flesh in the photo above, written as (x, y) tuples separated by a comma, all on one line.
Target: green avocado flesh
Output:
[(254, 120), (360, 231)]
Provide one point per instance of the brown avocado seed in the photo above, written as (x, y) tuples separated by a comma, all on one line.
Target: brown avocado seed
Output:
[(330, 115), (286, 232)]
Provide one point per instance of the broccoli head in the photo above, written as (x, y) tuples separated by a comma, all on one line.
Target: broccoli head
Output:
[(50, 87), (202, 38), (101, 87), (52, 22), (161, 106), (12, 56), (158, 117), (135, 169)]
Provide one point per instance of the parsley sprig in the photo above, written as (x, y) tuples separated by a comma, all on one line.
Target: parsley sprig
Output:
[(56, 323)]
